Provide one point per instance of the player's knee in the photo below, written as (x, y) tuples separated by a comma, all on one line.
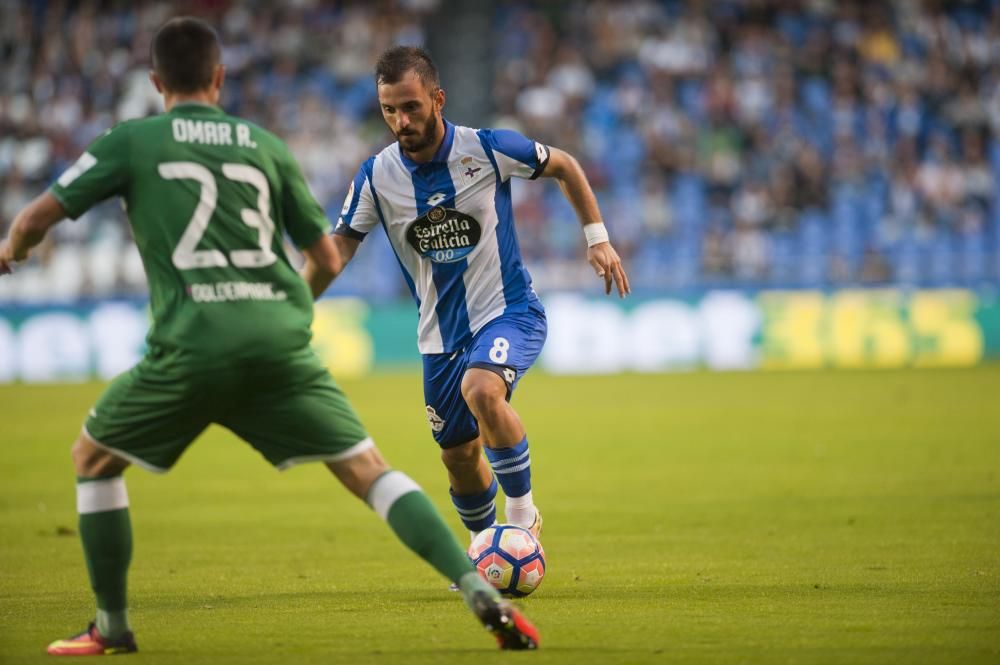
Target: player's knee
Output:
[(83, 457), (483, 397), (359, 473), (89, 461)]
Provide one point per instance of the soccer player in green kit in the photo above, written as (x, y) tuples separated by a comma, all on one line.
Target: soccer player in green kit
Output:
[(209, 198)]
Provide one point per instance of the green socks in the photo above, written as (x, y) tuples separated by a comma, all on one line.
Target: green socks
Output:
[(112, 625), (414, 519), (106, 533), (470, 583)]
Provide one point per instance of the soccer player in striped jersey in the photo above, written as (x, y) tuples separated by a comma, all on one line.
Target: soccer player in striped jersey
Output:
[(209, 199), (442, 194)]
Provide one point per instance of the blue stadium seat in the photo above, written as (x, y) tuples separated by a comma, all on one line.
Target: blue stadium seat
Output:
[(972, 258), (816, 94), (941, 256), (994, 223), (905, 259), (813, 230), (652, 263), (686, 267), (600, 110), (783, 258), (688, 199), (874, 197), (812, 270), (994, 150), (689, 96), (847, 238)]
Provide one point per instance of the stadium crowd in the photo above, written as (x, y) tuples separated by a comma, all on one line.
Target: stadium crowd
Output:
[(731, 143)]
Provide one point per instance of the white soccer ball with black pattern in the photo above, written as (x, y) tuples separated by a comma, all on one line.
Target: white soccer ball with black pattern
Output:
[(510, 559)]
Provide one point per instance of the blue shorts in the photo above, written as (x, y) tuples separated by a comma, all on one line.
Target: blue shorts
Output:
[(508, 345)]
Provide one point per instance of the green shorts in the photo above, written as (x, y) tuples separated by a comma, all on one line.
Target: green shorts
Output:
[(289, 409)]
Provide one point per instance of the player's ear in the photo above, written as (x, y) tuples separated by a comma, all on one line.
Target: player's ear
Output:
[(155, 80), (218, 76), (439, 99)]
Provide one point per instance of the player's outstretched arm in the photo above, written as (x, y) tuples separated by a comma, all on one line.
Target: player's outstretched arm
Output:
[(600, 254), (326, 259), (29, 228)]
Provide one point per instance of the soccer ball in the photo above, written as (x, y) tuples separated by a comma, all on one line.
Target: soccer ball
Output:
[(509, 558)]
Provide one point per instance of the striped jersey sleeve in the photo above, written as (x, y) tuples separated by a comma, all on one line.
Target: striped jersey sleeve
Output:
[(517, 156), (360, 212)]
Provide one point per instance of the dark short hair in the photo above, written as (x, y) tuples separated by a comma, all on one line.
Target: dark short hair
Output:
[(394, 62), (185, 52)]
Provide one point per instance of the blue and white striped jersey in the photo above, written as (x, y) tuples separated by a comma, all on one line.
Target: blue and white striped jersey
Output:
[(451, 224)]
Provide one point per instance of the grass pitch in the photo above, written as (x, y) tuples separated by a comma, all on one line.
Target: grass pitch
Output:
[(848, 517)]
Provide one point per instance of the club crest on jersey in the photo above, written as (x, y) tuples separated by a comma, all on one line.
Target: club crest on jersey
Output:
[(436, 421), (444, 235), (468, 170)]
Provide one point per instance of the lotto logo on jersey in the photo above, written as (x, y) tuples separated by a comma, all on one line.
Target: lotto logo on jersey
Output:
[(542, 152), (444, 235)]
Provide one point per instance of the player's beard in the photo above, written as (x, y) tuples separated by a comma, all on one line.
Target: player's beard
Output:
[(422, 140)]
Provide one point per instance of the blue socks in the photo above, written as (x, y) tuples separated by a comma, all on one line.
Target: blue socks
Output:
[(512, 467), (478, 511)]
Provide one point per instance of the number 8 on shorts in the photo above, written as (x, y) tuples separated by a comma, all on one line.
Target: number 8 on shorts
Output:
[(498, 352)]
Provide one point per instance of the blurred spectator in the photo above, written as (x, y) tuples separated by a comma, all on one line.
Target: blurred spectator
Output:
[(732, 142)]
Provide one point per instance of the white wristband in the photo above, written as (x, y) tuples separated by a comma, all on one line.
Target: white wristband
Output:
[(596, 233)]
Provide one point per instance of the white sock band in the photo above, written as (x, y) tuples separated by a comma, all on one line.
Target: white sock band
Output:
[(596, 233), (387, 489), (520, 510), (521, 501), (99, 496)]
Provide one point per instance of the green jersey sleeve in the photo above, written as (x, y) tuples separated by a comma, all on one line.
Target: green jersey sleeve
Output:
[(304, 217), (100, 172)]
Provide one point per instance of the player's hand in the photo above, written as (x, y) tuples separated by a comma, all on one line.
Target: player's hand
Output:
[(6, 258), (608, 265)]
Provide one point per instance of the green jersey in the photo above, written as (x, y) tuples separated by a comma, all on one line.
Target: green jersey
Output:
[(209, 198)]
